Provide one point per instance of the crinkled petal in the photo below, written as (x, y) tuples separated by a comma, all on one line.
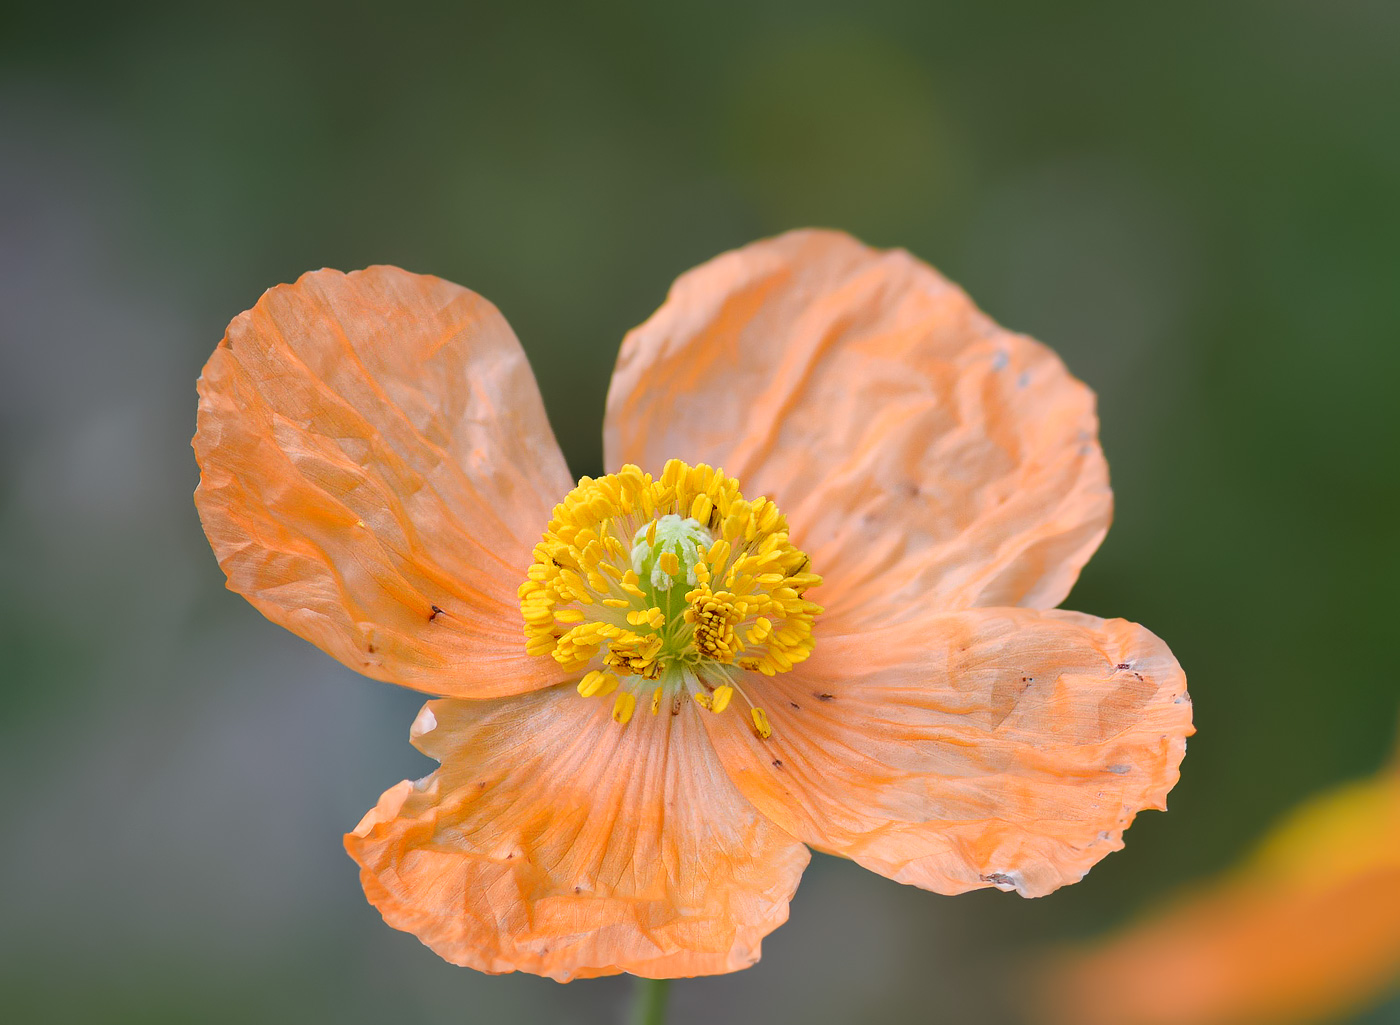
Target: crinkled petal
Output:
[(919, 450), (554, 841), (1308, 930), (991, 747), (375, 467)]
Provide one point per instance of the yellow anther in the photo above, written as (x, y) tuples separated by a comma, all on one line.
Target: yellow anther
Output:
[(737, 520), (702, 699), (617, 603), (760, 723), (720, 700), (597, 682), (669, 563), (656, 701), (624, 706), (652, 617), (630, 583), (715, 616)]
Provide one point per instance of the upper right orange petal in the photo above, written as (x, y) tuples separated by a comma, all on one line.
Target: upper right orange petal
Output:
[(919, 450)]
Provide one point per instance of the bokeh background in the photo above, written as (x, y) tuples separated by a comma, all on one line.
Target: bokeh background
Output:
[(1194, 203)]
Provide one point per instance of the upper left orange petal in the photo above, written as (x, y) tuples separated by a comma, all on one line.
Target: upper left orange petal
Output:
[(375, 466)]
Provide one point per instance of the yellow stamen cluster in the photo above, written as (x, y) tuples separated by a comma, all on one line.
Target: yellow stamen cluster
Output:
[(714, 617), (674, 584)]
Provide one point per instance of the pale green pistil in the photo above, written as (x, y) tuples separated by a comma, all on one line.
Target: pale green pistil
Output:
[(684, 538)]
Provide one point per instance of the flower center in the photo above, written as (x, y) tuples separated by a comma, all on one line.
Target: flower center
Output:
[(676, 586)]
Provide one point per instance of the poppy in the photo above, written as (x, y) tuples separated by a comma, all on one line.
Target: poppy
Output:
[(659, 688)]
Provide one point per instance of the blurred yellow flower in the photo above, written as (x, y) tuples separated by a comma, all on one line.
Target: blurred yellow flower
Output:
[(1307, 929)]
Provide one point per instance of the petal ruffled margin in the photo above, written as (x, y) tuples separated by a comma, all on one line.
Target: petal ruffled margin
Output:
[(554, 841), (1307, 930), (375, 466), (992, 747), (923, 455)]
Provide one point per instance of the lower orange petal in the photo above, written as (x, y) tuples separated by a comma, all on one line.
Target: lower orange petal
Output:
[(554, 841), (993, 747)]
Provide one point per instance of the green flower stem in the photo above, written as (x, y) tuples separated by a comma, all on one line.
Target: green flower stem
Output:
[(649, 1003)]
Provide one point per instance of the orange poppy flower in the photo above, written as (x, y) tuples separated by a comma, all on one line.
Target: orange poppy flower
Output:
[(1306, 930), (658, 689)]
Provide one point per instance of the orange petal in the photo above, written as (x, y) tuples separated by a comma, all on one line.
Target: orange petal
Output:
[(1308, 930), (918, 449), (554, 841), (993, 747), (375, 466)]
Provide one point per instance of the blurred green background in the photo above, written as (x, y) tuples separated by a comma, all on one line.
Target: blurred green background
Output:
[(1195, 204)]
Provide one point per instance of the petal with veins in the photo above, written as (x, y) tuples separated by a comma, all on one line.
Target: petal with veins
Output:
[(993, 747), (375, 467), (919, 450), (554, 841)]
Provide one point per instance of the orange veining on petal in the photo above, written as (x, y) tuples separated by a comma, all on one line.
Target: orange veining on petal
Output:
[(668, 586)]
